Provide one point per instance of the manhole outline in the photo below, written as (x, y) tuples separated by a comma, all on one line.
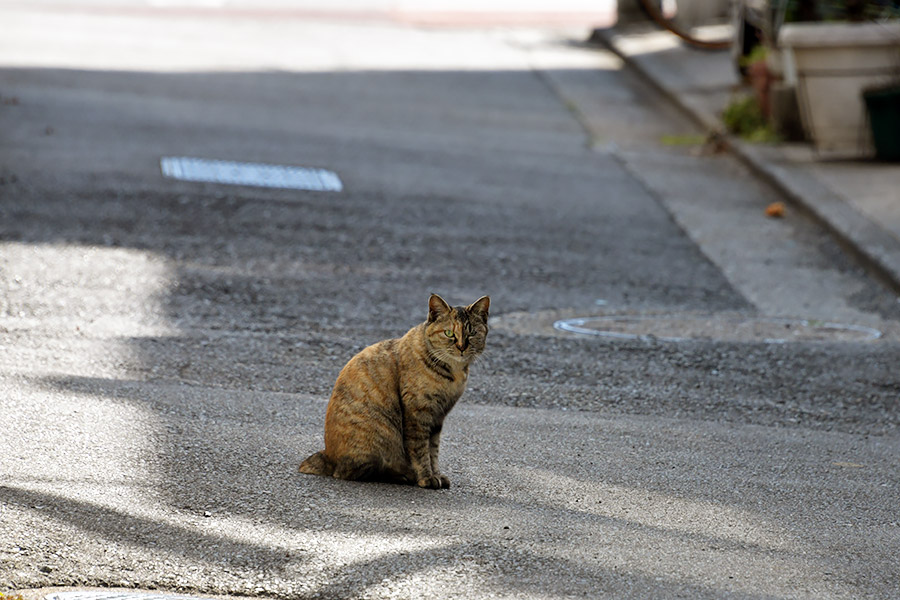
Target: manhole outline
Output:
[(576, 325)]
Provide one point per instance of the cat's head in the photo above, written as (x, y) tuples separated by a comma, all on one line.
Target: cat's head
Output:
[(457, 333)]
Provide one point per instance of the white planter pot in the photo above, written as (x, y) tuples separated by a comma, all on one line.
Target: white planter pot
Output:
[(834, 63)]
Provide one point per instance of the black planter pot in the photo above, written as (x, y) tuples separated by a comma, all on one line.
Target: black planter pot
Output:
[(883, 106)]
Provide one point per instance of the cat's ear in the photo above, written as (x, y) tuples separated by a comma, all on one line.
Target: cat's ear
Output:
[(437, 308), (480, 307)]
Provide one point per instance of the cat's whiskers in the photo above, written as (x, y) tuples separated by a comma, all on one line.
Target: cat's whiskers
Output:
[(452, 358), (484, 356)]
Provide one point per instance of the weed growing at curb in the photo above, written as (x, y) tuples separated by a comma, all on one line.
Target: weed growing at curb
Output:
[(683, 140), (744, 117)]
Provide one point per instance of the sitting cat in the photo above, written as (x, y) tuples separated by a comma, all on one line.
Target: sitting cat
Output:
[(385, 415)]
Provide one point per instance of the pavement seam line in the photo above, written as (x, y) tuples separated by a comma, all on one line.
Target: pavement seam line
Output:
[(569, 105)]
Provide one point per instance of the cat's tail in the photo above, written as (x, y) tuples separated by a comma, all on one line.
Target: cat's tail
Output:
[(317, 464)]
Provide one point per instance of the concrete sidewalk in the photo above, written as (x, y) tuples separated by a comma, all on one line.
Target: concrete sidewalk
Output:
[(858, 201)]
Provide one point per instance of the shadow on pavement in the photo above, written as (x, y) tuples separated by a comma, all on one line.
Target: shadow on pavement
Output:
[(261, 296)]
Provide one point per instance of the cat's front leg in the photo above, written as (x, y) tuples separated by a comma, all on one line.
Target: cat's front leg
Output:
[(433, 446), (417, 436)]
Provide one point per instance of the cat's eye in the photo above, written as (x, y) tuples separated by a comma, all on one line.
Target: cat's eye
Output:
[(449, 333)]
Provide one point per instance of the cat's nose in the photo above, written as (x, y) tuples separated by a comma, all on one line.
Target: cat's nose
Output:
[(462, 344)]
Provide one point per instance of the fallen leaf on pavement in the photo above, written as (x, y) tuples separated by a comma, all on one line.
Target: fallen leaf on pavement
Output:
[(775, 210)]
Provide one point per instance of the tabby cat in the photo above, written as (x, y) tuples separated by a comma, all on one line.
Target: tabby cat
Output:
[(385, 415)]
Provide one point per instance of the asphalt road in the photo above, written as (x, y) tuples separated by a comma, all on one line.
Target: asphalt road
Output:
[(168, 347)]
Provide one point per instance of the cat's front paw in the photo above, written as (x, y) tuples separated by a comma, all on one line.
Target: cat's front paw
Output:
[(433, 482), (445, 482)]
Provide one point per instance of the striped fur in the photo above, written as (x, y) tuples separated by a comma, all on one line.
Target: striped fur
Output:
[(387, 409)]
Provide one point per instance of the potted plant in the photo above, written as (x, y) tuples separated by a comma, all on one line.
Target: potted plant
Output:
[(853, 45), (760, 76), (761, 62)]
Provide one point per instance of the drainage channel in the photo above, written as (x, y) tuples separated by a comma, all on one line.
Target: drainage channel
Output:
[(681, 328)]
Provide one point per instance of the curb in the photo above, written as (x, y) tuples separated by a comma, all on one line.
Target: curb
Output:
[(876, 249), (870, 244)]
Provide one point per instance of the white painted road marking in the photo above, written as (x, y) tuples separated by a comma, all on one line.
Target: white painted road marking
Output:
[(252, 174)]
